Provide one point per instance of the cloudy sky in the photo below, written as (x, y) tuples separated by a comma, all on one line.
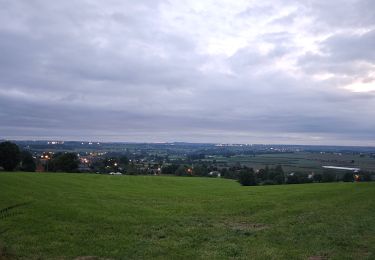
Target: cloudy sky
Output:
[(271, 71)]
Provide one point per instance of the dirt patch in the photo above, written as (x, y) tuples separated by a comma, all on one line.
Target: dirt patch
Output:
[(243, 227), (317, 257), (90, 258), (6, 254), (246, 226)]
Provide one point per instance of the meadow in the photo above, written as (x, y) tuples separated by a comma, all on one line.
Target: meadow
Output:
[(69, 216)]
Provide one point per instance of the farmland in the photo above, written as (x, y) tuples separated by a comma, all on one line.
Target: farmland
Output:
[(65, 216), (302, 161)]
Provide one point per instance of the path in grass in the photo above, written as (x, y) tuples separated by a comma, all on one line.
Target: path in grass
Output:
[(72, 215)]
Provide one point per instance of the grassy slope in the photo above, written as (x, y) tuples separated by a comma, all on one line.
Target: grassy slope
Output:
[(173, 217)]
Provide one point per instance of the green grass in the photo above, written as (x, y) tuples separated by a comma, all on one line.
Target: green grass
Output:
[(139, 217)]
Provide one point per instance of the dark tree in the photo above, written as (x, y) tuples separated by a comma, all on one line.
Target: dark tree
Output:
[(328, 176), (9, 156), (169, 169), (247, 177), (262, 174), (317, 177), (181, 171), (365, 176), (200, 170), (276, 175), (348, 177), (27, 162), (124, 160), (67, 162), (292, 179)]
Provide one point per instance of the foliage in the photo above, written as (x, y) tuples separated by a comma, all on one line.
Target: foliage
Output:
[(27, 162), (365, 176), (348, 177), (292, 179), (247, 177), (328, 176), (65, 162), (182, 170), (9, 155), (200, 170), (169, 169), (317, 177), (123, 160), (268, 182)]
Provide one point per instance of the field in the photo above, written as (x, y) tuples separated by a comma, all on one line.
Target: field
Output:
[(299, 162), (66, 216)]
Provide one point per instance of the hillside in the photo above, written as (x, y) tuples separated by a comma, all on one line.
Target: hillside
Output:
[(64, 216)]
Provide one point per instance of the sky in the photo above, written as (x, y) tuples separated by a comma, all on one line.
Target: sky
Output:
[(220, 71)]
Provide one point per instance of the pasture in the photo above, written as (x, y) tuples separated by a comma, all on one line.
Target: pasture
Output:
[(67, 216)]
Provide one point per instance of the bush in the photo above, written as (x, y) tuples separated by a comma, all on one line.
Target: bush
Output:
[(247, 177)]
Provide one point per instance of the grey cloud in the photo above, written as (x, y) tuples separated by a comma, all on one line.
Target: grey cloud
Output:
[(343, 53), (115, 70)]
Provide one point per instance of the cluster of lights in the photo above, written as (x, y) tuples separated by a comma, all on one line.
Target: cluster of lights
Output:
[(46, 156)]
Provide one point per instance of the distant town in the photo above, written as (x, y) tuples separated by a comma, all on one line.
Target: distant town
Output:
[(271, 164)]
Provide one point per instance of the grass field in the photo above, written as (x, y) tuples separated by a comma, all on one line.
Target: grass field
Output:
[(139, 217)]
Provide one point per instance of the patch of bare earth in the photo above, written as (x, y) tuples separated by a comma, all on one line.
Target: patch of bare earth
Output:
[(316, 257), (90, 258), (243, 226)]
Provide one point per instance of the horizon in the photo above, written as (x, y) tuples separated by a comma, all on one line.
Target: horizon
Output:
[(177, 142)]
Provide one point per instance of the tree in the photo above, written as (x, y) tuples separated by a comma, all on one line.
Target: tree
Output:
[(9, 156), (247, 177), (328, 176), (317, 177), (348, 177), (124, 160), (262, 174), (27, 162), (292, 179), (277, 175), (365, 176), (181, 171), (66, 162), (169, 169), (200, 170)]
